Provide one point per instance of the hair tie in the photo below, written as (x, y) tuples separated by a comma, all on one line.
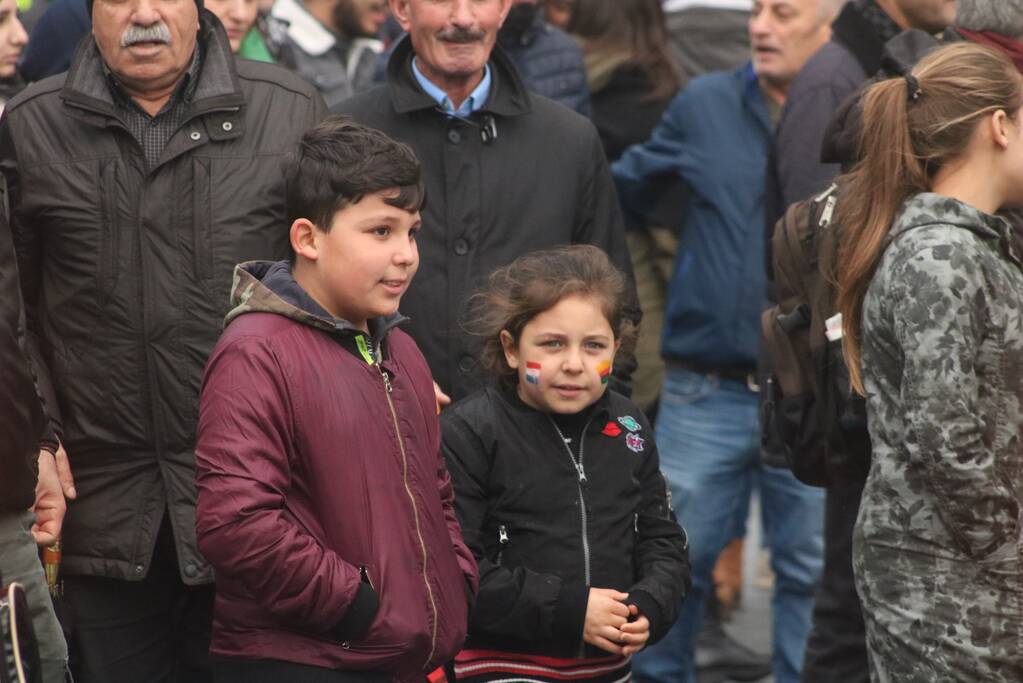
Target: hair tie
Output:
[(913, 88)]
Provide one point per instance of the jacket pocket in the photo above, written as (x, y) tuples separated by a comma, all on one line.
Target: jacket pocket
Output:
[(108, 266), (202, 218)]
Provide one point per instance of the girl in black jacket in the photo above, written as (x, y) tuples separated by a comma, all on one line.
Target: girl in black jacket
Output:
[(558, 491)]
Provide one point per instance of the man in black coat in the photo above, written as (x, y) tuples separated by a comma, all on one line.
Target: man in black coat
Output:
[(137, 181), (506, 172)]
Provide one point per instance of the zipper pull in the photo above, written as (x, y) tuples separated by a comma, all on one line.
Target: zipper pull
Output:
[(582, 473), (383, 374), (365, 576), (502, 535)]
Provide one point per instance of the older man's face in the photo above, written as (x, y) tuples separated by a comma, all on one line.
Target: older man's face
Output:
[(784, 34), (148, 44), (452, 38)]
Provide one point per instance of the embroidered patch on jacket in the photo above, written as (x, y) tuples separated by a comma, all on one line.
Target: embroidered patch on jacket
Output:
[(634, 442), (630, 423), (533, 373), (611, 429), (604, 371)]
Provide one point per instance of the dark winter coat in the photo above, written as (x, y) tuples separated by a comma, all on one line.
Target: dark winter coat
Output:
[(544, 532), (21, 416), (550, 64), (541, 181), (126, 274), (324, 504)]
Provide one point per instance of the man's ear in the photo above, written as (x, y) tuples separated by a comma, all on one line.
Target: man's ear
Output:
[(400, 10), (511, 350), (303, 239), (507, 8)]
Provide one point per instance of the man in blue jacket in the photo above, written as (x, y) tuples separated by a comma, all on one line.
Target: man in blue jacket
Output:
[(716, 135)]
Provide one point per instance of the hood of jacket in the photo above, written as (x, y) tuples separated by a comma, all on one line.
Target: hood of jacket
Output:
[(927, 209), (269, 287)]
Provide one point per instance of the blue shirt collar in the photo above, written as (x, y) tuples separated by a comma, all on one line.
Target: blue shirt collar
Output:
[(473, 103)]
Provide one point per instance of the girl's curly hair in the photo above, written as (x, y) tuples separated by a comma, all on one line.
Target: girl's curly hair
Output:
[(536, 282)]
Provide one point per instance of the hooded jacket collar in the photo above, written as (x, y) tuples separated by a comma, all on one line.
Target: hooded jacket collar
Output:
[(926, 209), (87, 85), (508, 96), (269, 287)]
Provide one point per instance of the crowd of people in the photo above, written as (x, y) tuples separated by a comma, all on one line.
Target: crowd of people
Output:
[(359, 341)]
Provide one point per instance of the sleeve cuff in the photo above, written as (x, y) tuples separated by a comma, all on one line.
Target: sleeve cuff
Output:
[(359, 615), (649, 608), (570, 614)]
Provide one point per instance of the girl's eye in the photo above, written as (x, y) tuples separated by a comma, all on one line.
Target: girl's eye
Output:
[(382, 231), (551, 343), (596, 345), (413, 233)]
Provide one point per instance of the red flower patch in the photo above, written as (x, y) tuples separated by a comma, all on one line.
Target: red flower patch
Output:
[(611, 429)]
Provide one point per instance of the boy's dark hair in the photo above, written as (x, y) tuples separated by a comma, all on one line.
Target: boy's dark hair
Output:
[(338, 162), (536, 282)]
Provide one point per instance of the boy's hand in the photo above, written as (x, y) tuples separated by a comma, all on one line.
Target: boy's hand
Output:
[(606, 613), (635, 633)]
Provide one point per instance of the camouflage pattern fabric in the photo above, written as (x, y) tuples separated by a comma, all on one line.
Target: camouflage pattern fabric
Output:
[(937, 551)]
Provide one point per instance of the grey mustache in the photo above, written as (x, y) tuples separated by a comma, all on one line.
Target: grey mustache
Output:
[(156, 33), (461, 35)]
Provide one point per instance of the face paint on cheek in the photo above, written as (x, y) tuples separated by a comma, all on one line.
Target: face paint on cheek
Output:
[(533, 373), (604, 371)]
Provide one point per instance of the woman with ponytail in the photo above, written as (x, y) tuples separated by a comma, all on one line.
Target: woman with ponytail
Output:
[(931, 296)]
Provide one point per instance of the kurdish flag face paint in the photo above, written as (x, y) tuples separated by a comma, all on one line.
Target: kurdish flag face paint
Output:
[(533, 373), (604, 371)]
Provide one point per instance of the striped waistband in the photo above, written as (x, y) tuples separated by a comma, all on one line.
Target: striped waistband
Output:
[(495, 666)]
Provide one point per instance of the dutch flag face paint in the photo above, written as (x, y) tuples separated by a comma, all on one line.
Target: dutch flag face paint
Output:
[(533, 373)]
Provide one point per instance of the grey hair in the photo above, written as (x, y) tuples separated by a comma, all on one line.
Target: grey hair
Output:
[(1000, 16)]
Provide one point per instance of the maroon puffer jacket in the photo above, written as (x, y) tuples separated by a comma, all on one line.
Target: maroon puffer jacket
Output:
[(315, 476)]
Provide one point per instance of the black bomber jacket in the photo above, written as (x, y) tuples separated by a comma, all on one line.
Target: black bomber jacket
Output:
[(547, 520)]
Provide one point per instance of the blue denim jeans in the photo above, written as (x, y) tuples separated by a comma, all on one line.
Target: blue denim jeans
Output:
[(709, 444)]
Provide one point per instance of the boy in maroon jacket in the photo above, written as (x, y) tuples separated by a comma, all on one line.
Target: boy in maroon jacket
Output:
[(324, 504)]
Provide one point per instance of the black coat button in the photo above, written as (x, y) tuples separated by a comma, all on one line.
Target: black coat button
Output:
[(466, 363), (454, 137), (191, 571), (461, 247)]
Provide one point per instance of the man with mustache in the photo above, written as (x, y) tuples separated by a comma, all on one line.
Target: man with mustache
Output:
[(333, 44), (136, 181), (507, 172)]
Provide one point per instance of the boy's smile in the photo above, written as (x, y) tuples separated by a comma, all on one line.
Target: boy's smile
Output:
[(563, 356), (362, 266)]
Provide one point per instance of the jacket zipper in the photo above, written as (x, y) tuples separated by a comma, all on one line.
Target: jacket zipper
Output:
[(581, 469), (415, 510)]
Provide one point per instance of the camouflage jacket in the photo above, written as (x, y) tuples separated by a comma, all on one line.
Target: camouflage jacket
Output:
[(937, 548)]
